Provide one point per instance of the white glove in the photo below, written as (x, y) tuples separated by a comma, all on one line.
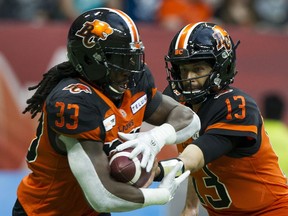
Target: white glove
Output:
[(166, 189), (166, 166), (170, 182), (148, 143)]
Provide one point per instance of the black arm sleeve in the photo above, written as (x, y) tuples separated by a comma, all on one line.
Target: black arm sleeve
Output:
[(214, 146)]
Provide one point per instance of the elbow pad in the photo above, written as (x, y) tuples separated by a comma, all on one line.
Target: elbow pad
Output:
[(191, 130)]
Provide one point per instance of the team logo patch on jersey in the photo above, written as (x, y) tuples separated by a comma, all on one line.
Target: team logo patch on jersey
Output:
[(138, 104), (92, 31), (77, 88), (109, 122)]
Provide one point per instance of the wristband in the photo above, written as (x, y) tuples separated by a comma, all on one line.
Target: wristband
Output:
[(165, 133), (189, 131), (159, 177), (166, 166), (155, 196)]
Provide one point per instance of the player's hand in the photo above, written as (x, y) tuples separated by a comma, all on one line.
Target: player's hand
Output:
[(170, 182), (142, 143), (148, 143), (165, 167)]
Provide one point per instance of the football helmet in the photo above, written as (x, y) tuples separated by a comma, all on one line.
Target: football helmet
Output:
[(201, 41), (104, 40)]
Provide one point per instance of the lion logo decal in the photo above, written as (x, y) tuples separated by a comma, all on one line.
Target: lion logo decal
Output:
[(77, 88), (222, 38), (92, 31)]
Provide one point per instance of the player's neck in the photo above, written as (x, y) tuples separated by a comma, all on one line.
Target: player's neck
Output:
[(195, 107)]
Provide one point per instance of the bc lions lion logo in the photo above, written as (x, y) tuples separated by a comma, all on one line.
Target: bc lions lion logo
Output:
[(222, 38), (91, 30), (78, 88)]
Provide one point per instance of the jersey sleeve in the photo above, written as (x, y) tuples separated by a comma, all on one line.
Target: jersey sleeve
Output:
[(231, 125), (234, 114), (73, 114)]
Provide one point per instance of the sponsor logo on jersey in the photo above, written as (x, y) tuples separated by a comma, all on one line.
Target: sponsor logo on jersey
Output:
[(138, 104), (109, 122), (92, 31), (77, 88), (123, 113)]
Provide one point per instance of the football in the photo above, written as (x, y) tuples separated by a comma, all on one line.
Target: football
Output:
[(123, 169)]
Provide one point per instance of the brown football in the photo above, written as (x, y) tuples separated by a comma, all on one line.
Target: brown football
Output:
[(126, 170)]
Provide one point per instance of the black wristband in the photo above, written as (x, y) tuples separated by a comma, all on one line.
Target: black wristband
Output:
[(161, 174)]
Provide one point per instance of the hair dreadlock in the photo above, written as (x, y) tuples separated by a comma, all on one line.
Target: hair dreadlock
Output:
[(45, 86)]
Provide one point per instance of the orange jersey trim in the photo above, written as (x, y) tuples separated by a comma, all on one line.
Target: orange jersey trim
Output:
[(251, 128)]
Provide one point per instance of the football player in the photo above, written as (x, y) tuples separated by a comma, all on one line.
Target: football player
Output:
[(234, 170), (104, 88)]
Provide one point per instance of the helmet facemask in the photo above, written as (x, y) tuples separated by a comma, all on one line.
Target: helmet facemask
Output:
[(185, 86), (123, 63), (124, 59)]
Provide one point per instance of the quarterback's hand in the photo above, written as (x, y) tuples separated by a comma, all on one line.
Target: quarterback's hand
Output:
[(148, 143), (170, 182), (165, 167)]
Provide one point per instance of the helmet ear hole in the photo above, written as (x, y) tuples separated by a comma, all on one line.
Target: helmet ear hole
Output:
[(228, 69), (88, 60)]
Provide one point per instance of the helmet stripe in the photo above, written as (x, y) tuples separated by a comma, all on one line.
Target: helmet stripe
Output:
[(183, 37), (132, 27)]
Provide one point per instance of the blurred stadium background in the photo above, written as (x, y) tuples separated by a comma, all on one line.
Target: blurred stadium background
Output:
[(28, 49)]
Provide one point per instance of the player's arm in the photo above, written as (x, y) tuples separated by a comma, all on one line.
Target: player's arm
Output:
[(192, 157), (184, 121), (171, 112), (200, 152), (90, 166), (176, 124)]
